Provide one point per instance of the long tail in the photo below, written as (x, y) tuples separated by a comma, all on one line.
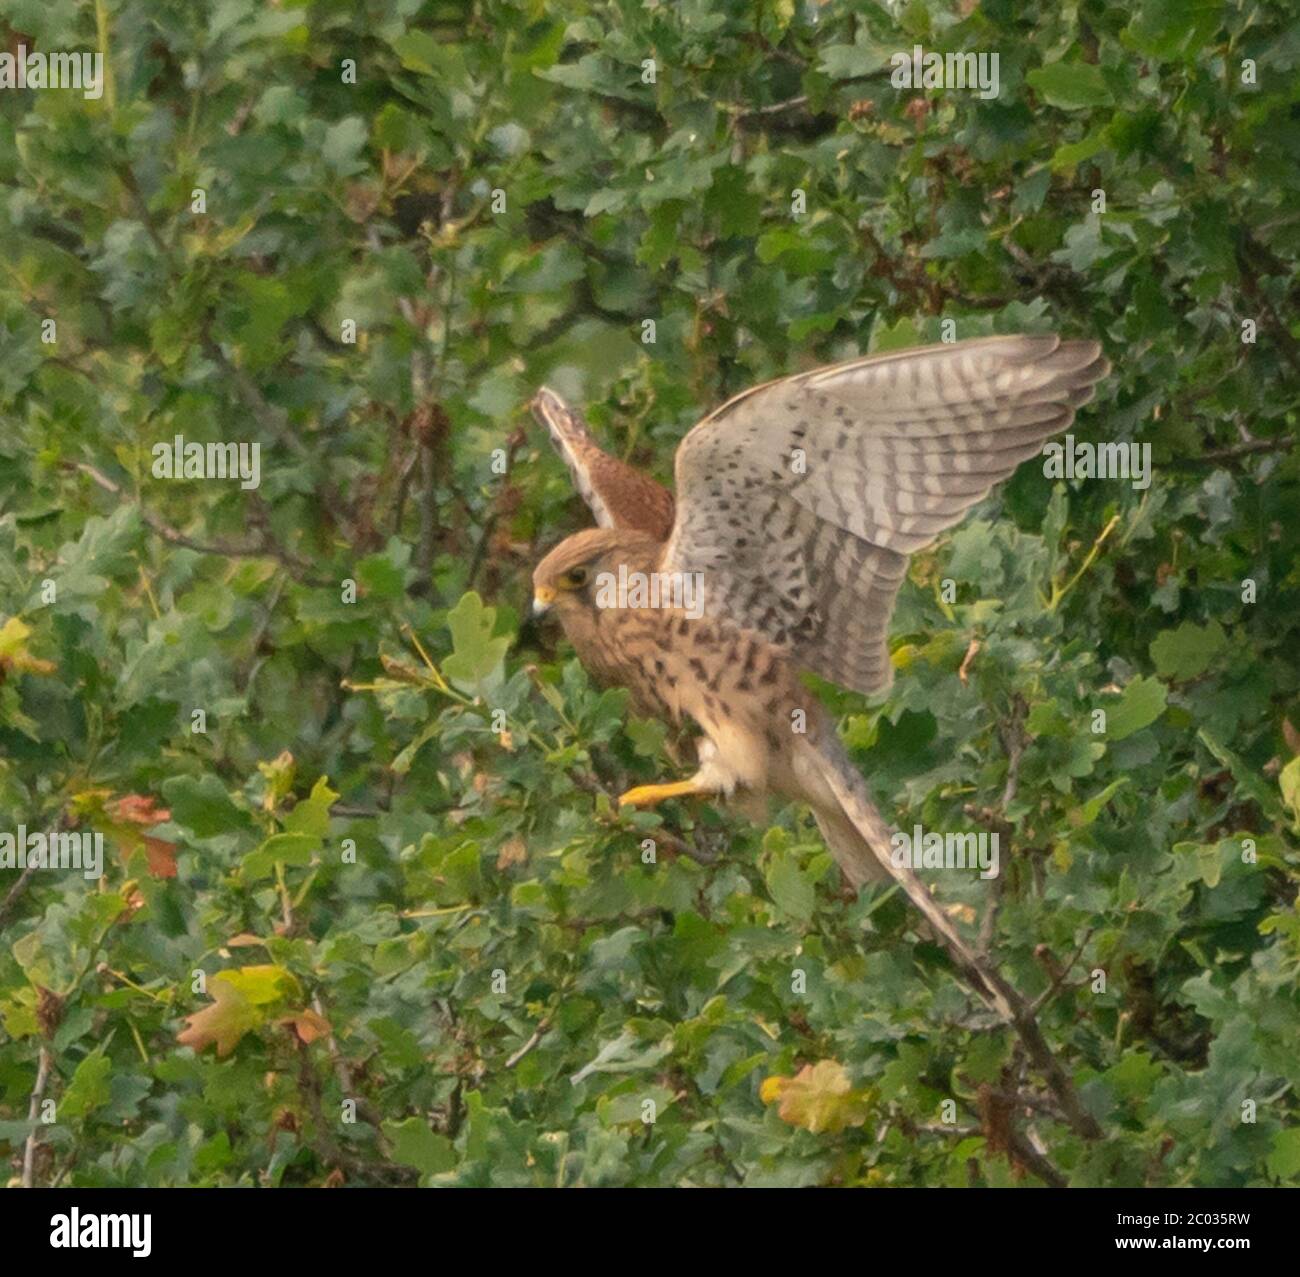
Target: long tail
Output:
[(859, 839)]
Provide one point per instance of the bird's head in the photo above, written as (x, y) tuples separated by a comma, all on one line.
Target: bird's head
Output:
[(567, 580)]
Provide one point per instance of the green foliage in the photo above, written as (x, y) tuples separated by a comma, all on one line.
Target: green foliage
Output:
[(393, 848)]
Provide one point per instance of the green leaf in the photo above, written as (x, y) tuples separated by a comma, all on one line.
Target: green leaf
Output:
[(102, 551), (1135, 1076), (1072, 154), (1174, 29), (647, 736), (1284, 1160), (381, 577), (1245, 775), (1142, 702), (476, 655), (202, 805), (1187, 651), (343, 144), (1088, 812), (289, 849), (88, 1089), (1047, 719), (1072, 86), (630, 1105), (312, 816), (792, 891), (853, 61), (414, 1144)]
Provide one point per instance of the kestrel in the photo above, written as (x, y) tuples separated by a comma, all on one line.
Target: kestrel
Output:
[(798, 503)]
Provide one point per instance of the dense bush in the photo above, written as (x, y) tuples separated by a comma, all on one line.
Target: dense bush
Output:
[(381, 824)]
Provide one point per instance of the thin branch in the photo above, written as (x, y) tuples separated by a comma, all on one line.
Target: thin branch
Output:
[(357, 812), (342, 1071), (43, 1065), (1237, 450), (538, 1034), (11, 898), (1027, 1155), (266, 549), (741, 112), (1251, 251), (1012, 737), (1063, 974), (516, 441), (260, 633), (272, 419)]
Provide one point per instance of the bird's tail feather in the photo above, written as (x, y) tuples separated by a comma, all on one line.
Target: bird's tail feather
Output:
[(859, 839)]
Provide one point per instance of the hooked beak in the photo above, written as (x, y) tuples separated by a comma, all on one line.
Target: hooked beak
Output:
[(543, 597)]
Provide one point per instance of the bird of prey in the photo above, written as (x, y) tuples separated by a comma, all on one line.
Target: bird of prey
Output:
[(797, 505)]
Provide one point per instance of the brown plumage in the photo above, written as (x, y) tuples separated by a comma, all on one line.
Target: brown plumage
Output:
[(797, 506), (639, 501)]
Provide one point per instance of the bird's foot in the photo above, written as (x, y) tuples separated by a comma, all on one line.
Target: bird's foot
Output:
[(648, 795)]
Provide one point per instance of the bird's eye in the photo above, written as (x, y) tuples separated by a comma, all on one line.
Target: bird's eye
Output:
[(574, 578)]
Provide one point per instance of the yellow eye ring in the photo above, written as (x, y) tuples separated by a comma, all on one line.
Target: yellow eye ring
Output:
[(574, 578)]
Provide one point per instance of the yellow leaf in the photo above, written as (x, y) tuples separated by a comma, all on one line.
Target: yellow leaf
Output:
[(223, 1023), (261, 984), (14, 654), (818, 1098), (239, 998)]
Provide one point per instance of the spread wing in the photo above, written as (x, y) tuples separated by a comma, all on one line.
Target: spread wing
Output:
[(801, 500), (618, 496)]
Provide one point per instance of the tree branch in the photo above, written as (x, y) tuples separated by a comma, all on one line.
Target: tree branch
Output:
[(43, 1066), (266, 549)]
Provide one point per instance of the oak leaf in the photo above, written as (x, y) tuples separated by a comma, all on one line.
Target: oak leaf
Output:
[(242, 1001), (818, 1098)]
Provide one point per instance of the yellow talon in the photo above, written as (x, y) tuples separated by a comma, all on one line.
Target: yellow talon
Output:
[(648, 795)]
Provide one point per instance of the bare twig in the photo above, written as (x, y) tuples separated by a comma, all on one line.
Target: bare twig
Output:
[(1249, 253), (272, 419), (43, 1065), (1237, 450), (943, 1128), (515, 442), (740, 112), (14, 892), (1027, 1155), (538, 1034), (341, 1069), (1063, 974), (260, 633), (265, 549), (356, 811), (1013, 742)]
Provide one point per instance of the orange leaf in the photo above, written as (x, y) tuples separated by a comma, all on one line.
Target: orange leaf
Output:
[(130, 813), (161, 856), (138, 809), (307, 1025)]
